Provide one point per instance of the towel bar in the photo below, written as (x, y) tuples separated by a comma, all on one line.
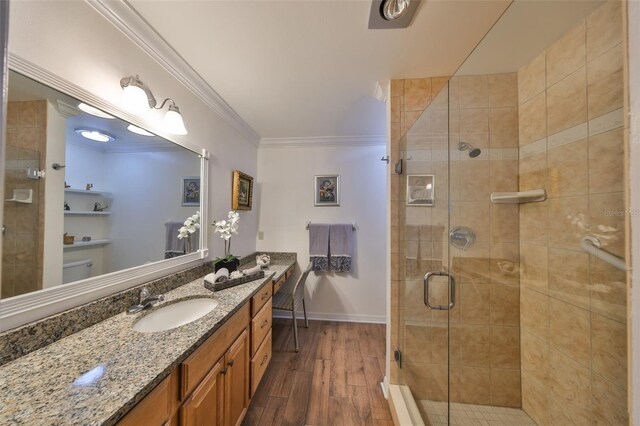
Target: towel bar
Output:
[(592, 245), (354, 225)]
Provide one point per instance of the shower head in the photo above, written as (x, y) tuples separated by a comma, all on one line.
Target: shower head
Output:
[(473, 152)]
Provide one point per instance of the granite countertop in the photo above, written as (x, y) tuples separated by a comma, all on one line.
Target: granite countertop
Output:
[(96, 375)]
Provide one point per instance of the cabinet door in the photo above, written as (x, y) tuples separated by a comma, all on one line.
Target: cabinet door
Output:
[(205, 406), (236, 399)]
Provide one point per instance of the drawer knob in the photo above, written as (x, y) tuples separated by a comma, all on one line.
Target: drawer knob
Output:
[(223, 371), (264, 296), (230, 363), (266, 322)]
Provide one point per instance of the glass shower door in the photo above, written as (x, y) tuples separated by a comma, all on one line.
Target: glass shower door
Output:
[(429, 313)]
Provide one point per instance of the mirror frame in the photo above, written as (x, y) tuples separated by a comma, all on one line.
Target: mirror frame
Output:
[(29, 307)]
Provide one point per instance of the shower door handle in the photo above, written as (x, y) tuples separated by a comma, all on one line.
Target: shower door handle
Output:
[(452, 290)]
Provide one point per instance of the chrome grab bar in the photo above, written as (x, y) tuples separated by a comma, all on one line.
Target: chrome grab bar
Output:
[(452, 290), (592, 245)]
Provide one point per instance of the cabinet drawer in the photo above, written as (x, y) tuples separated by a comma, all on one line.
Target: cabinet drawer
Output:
[(260, 299), (260, 362), (260, 326), (278, 284), (288, 273), (196, 367)]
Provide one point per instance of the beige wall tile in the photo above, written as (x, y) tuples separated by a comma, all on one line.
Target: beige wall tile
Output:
[(445, 344), (505, 347), (567, 172), (608, 290), (395, 105), (535, 400), (409, 118), (504, 223), (534, 223), (535, 359), (608, 403), (475, 181), (475, 385), (567, 102), (503, 175), (606, 162), (397, 88), (570, 391), (534, 313), (505, 264), (475, 300), (533, 172), (532, 79), (605, 83), (417, 342), (532, 119), (568, 221), (534, 267), (609, 349), (474, 91), (607, 215), (503, 127), (569, 276), (566, 55), (475, 346), (570, 330), (418, 376), (454, 93), (503, 90), (604, 29), (438, 86), (475, 214), (417, 94), (474, 120), (505, 305), (505, 388)]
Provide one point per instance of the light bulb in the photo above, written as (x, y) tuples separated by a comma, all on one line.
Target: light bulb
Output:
[(173, 121), (135, 99)]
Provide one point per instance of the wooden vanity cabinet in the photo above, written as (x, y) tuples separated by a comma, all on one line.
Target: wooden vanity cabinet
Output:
[(213, 386)]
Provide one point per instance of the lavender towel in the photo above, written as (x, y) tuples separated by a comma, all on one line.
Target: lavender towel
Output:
[(319, 246), (340, 246)]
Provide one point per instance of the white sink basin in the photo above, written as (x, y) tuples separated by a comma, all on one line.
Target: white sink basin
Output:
[(175, 315)]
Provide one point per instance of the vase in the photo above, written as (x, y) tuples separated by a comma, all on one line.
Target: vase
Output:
[(231, 265)]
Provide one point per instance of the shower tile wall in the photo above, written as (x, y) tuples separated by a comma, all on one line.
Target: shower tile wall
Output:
[(23, 242), (573, 306), (484, 333)]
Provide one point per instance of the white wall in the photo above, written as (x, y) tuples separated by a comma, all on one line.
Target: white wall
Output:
[(74, 42), (634, 89), (151, 182), (285, 193)]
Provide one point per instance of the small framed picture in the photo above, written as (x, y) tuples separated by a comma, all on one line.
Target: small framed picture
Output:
[(191, 191), (326, 190), (242, 191), (421, 190)]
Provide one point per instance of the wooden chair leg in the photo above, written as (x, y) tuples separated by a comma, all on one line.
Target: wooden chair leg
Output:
[(304, 309), (295, 329)]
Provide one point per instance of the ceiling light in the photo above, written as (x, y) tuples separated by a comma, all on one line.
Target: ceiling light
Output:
[(95, 135), (138, 130), (138, 98), (94, 111), (394, 9)]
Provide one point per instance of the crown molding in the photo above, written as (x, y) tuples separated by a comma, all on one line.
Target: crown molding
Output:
[(124, 17), (316, 141)]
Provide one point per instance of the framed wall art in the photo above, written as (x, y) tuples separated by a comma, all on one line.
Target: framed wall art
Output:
[(242, 198), (191, 191), (326, 190), (421, 190)]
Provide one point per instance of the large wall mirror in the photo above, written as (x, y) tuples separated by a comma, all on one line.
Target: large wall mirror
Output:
[(90, 197)]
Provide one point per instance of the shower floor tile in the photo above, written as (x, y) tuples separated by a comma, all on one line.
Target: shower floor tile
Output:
[(434, 413)]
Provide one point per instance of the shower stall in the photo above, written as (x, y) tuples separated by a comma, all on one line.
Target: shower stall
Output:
[(508, 287)]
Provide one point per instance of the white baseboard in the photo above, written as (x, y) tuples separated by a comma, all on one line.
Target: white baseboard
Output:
[(322, 316)]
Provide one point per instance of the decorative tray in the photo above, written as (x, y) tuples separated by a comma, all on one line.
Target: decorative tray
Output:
[(234, 282)]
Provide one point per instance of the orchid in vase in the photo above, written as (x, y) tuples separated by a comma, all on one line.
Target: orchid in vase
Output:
[(191, 225), (227, 228)]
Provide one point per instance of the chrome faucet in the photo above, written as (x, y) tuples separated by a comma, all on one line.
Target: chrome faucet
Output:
[(146, 301)]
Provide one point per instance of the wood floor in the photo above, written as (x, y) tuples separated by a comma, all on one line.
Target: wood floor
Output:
[(333, 380)]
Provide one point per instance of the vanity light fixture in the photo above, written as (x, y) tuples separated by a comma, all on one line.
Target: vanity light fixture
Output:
[(394, 9), (94, 111), (138, 130), (95, 135), (138, 97)]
